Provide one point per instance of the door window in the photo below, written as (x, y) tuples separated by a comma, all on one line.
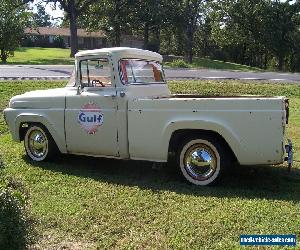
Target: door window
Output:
[(95, 73)]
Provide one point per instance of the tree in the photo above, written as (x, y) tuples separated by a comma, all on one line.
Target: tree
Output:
[(109, 15), (280, 26), (186, 19), (41, 18), (192, 14), (117, 17), (238, 30), (149, 17), (73, 9), (257, 31), (13, 20)]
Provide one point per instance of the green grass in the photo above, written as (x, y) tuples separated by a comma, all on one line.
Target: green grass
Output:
[(87, 203), (206, 63), (46, 56), (50, 56)]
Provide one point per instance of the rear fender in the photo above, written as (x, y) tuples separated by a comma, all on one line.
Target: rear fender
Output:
[(226, 132)]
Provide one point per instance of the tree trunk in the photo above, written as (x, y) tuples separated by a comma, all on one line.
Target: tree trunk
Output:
[(280, 62), (117, 39), (3, 56), (157, 37), (180, 39), (117, 35), (117, 26), (189, 45), (266, 60), (146, 35), (292, 62), (244, 49), (73, 28)]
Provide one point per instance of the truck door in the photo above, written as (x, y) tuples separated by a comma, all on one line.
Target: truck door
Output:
[(90, 117)]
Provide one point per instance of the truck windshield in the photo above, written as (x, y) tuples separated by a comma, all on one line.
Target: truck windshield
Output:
[(137, 71)]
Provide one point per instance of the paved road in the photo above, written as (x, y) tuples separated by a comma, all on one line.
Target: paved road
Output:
[(21, 72)]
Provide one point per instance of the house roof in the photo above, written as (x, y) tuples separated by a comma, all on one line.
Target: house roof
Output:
[(55, 31)]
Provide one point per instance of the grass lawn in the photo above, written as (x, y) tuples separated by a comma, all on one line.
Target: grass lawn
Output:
[(52, 56), (89, 203), (206, 63), (43, 56), (216, 64)]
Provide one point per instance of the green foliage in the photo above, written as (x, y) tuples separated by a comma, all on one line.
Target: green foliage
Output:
[(209, 64), (179, 63), (254, 32), (73, 9), (13, 20), (259, 33), (41, 18), (16, 227)]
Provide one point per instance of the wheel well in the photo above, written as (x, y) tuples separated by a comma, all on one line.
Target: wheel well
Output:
[(25, 125), (22, 130), (179, 135)]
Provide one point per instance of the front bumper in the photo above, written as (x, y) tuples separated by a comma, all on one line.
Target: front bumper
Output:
[(289, 157)]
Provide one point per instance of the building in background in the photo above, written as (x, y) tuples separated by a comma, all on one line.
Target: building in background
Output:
[(60, 37)]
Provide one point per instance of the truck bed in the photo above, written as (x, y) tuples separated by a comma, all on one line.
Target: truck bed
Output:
[(249, 124)]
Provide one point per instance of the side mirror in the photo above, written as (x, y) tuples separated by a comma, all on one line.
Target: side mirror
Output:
[(79, 90)]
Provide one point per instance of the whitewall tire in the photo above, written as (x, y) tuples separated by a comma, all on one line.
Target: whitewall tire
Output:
[(202, 160), (38, 143)]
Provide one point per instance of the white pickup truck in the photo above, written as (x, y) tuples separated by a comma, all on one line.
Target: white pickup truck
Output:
[(117, 104)]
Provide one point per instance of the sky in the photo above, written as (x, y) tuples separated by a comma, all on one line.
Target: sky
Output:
[(53, 12)]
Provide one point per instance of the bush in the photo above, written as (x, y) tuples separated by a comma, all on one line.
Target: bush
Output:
[(58, 42), (153, 46), (179, 64), (15, 224)]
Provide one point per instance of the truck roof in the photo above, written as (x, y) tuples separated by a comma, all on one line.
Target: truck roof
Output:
[(122, 52)]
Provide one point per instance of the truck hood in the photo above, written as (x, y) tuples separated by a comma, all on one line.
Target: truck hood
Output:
[(40, 99)]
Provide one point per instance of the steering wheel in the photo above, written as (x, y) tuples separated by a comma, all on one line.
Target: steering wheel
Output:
[(95, 82)]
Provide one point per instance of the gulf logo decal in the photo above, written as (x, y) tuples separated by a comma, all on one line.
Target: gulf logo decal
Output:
[(90, 118)]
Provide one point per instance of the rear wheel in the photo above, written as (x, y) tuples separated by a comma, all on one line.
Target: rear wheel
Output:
[(39, 144), (202, 160)]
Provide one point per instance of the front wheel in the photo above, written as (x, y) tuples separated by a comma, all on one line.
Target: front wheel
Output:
[(39, 145), (202, 160)]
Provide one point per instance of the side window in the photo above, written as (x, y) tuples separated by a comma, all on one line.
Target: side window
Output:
[(138, 71), (95, 73)]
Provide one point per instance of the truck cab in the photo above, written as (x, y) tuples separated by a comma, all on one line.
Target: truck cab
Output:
[(105, 80)]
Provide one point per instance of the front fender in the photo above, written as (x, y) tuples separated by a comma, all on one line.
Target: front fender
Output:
[(37, 118)]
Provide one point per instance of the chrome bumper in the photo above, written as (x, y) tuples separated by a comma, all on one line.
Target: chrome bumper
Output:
[(289, 151)]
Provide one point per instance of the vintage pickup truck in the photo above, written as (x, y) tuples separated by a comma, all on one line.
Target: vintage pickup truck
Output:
[(117, 104)]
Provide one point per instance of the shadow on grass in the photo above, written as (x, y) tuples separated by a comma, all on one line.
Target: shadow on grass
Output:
[(250, 182)]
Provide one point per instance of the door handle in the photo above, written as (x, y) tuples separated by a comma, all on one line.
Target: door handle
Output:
[(113, 96), (122, 93)]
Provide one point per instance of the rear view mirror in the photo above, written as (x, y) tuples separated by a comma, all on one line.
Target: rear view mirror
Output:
[(98, 66)]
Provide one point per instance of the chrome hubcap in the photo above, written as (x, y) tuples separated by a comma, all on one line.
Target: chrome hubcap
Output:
[(200, 162), (38, 143)]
